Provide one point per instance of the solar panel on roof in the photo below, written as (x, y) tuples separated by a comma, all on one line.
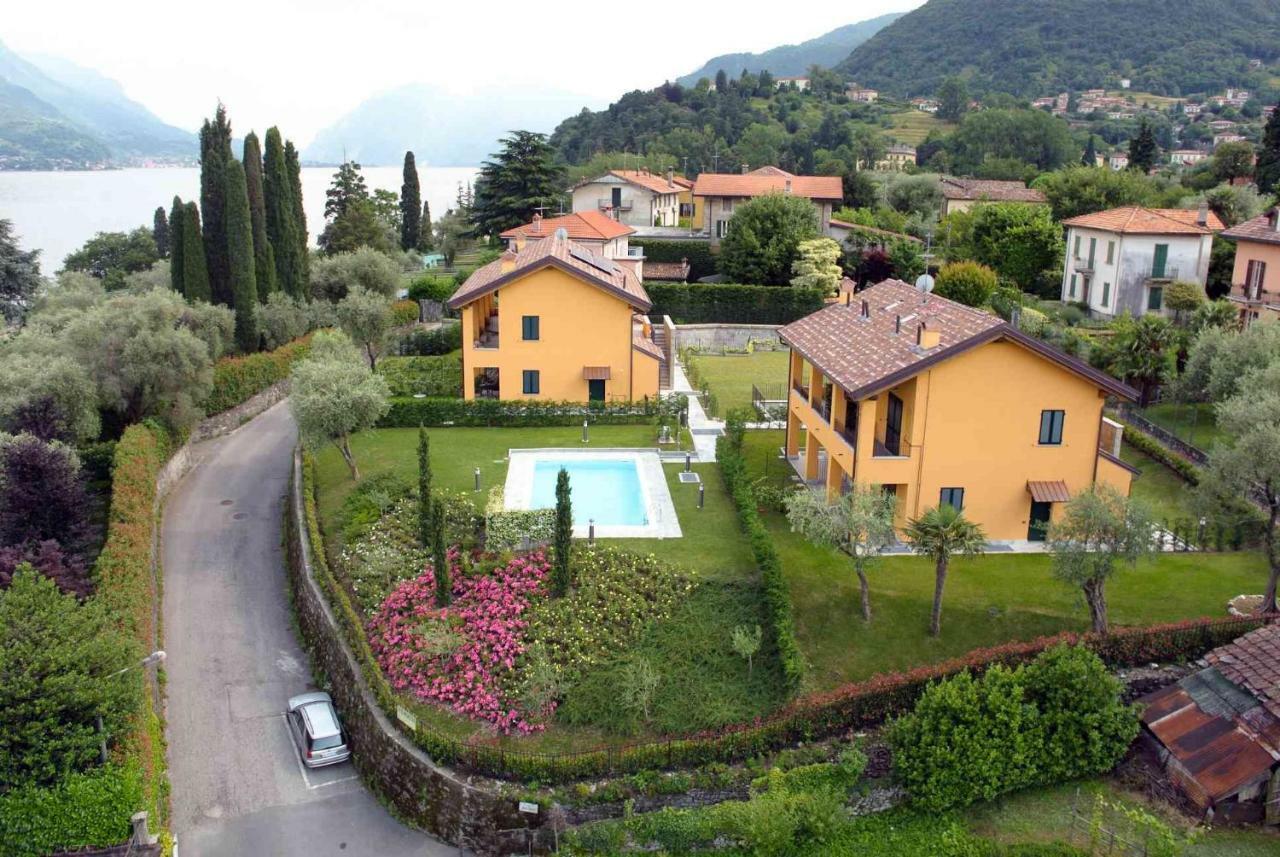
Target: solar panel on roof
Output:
[(597, 262)]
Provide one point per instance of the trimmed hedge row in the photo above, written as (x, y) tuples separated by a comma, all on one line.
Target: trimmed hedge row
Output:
[(237, 379), (429, 343), (408, 412), (431, 376), (702, 262), (725, 303), (1152, 448), (90, 808), (777, 595)]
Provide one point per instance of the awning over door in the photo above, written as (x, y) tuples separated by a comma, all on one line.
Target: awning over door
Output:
[(1054, 491), (596, 373)]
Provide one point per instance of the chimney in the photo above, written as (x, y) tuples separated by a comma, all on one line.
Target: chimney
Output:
[(788, 186), (1202, 216), (926, 338), (866, 310), (536, 229), (745, 168), (1273, 219), (508, 261), (897, 324), (671, 178)]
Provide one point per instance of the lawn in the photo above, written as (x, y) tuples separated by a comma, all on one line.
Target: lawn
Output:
[(1164, 492), (912, 126), (729, 378), (989, 600), (1194, 423)]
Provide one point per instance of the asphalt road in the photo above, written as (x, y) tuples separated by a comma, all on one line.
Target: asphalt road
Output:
[(234, 660)]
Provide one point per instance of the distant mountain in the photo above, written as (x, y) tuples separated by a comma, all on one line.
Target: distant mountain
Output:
[(794, 60), (441, 129), (1041, 48), (69, 113)]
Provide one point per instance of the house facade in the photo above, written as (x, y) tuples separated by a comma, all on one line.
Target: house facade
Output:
[(554, 321), (937, 402), (1122, 259), (721, 193), (964, 194), (637, 198), (1255, 278), (897, 158)]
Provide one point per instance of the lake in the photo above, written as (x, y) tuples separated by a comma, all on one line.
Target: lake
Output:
[(56, 212)]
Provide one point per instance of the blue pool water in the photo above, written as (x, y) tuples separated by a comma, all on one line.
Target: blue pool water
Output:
[(607, 490)]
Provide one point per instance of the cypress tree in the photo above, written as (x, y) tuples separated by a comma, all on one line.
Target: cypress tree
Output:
[(1267, 171), (244, 285), (440, 557), (425, 522), (215, 153), (264, 261), (563, 545), (195, 271), (177, 217), (410, 199), (1090, 156), (1143, 150), (425, 239), (277, 195), (160, 232), (299, 216)]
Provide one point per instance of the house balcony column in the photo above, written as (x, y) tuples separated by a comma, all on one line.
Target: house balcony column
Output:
[(793, 434), (812, 471)]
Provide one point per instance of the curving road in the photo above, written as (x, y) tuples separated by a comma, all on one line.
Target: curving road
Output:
[(233, 661)]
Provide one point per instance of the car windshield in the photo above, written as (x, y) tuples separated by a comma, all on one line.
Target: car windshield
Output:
[(328, 742)]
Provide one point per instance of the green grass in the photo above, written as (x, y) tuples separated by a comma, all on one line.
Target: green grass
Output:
[(1194, 423), (989, 600), (730, 377), (911, 126), (1162, 490)]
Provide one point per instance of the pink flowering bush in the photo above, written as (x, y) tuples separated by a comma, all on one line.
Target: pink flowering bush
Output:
[(462, 656)]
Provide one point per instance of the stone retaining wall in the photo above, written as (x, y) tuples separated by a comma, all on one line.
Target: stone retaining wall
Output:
[(715, 336)]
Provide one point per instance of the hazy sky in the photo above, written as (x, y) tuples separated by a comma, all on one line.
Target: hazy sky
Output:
[(301, 65)]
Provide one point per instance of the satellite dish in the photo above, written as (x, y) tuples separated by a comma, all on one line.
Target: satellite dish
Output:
[(924, 283), (562, 234)]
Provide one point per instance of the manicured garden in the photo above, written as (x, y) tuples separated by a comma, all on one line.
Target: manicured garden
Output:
[(1194, 423), (729, 377)]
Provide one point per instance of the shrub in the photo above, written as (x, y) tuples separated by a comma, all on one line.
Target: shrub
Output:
[(68, 571), (764, 236), (42, 494), (437, 377), (411, 413), (429, 343), (380, 558), (404, 313), (507, 529), (372, 498), (238, 379), (697, 303), (432, 287), (282, 319), (966, 282), (90, 808), (332, 276)]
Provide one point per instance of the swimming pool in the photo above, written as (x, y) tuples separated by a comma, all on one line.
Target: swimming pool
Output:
[(623, 491)]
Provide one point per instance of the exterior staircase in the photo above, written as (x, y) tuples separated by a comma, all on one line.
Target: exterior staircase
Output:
[(664, 368)]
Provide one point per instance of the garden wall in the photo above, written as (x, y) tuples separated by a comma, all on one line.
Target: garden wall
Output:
[(714, 337)]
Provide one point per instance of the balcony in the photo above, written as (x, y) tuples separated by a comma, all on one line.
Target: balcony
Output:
[(802, 390), (1168, 272), (488, 338), (849, 435), (606, 204)]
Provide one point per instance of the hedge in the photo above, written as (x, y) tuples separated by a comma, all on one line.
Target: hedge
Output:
[(430, 376), (404, 313), (1152, 448), (702, 262), (428, 343), (408, 412), (701, 303), (90, 808), (237, 379)]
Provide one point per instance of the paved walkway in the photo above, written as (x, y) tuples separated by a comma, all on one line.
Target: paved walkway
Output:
[(703, 428), (234, 660)]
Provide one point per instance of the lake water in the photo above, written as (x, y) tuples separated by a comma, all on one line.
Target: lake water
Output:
[(55, 212)]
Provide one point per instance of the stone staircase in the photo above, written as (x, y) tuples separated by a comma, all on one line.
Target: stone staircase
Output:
[(664, 368)]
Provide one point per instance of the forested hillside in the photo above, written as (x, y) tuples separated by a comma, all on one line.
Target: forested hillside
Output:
[(1029, 47)]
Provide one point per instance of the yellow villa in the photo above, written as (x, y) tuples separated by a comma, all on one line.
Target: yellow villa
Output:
[(551, 320), (942, 403)]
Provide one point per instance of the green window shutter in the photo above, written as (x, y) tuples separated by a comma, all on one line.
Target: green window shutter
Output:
[(1077, 249), (1111, 252), (1093, 246), (1155, 298), (1072, 293), (1160, 260), (1106, 294)]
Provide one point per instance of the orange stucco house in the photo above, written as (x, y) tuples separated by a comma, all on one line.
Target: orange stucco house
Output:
[(1255, 279)]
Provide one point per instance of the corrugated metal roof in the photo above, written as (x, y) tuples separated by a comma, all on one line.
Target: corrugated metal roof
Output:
[(1052, 491)]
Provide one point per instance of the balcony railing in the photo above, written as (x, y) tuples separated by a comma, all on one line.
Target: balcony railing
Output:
[(850, 436), (802, 389), (604, 203), (1168, 272)]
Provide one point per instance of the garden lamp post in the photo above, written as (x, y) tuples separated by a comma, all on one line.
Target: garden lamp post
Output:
[(702, 494), (477, 478), (585, 433), (591, 532), (154, 658), (688, 462)]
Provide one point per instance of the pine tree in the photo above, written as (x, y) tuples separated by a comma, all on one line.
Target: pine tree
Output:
[(160, 232), (520, 178), (195, 271), (410, 200), (281, 224), (264, 257), (299, 216), (424, 488), (177, 218), (1267, 171), (347, 188), (1143, 150), (563, 545), (244, 285), (1090, 156), (426, 240), (440, 557), (215, 153)]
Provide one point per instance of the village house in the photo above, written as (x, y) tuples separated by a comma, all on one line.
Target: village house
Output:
[(938, 402), (1192, 109), (690, 206), (1255, 278), (1118, 161), (861, 94), (1121, 260), (1187, 157), (554, 321), (594, 230), (637, 198), (800, 83), (1229, 137), (897, 158), (721, 192), (927, 105), (964, 194)]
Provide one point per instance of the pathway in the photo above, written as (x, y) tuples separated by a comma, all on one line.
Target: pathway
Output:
[(703, 428)]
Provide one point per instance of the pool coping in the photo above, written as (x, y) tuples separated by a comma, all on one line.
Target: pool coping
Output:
[(659, 508)]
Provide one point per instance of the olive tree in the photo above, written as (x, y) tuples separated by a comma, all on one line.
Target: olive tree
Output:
[(333, 276), (40, 380), (366, 318), (859, 523), (333, 395), (1100, 531)]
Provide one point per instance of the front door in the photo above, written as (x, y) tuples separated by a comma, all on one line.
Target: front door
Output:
[(893, 426), (1038, 527), (595, 390), (616, 198)]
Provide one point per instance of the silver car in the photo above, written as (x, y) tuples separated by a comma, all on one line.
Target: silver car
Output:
[(313, 722)]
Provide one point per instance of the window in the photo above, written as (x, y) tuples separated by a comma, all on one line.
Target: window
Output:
[(529, 327), (1077, 248), (1072, 294), (1155, 298), (1159, 261), (1106, 295), (1111, 252), (1093, 249), (953, 497), (1255, 272), (532, 384), (1051, 427), (722, 228)]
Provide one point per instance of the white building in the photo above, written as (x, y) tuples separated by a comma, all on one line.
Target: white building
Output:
[(1122, 259), (1187, 157), (634, 197), (1118, 160), (801, 83)]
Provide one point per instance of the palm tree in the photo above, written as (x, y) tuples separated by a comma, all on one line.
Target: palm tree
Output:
[(940, 533)]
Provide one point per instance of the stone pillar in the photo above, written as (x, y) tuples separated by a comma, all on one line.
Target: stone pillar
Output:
[(141, 834)]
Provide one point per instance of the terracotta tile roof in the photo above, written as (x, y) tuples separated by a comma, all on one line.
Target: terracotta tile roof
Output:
[(1258, 229), (685, 183), (1253, 662), (677, 271), (872, 230), (995, 191), (581, 226), (646, 345), (768, 180), (572, 258), (865, 355), (647, 180), (1148, 221)]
